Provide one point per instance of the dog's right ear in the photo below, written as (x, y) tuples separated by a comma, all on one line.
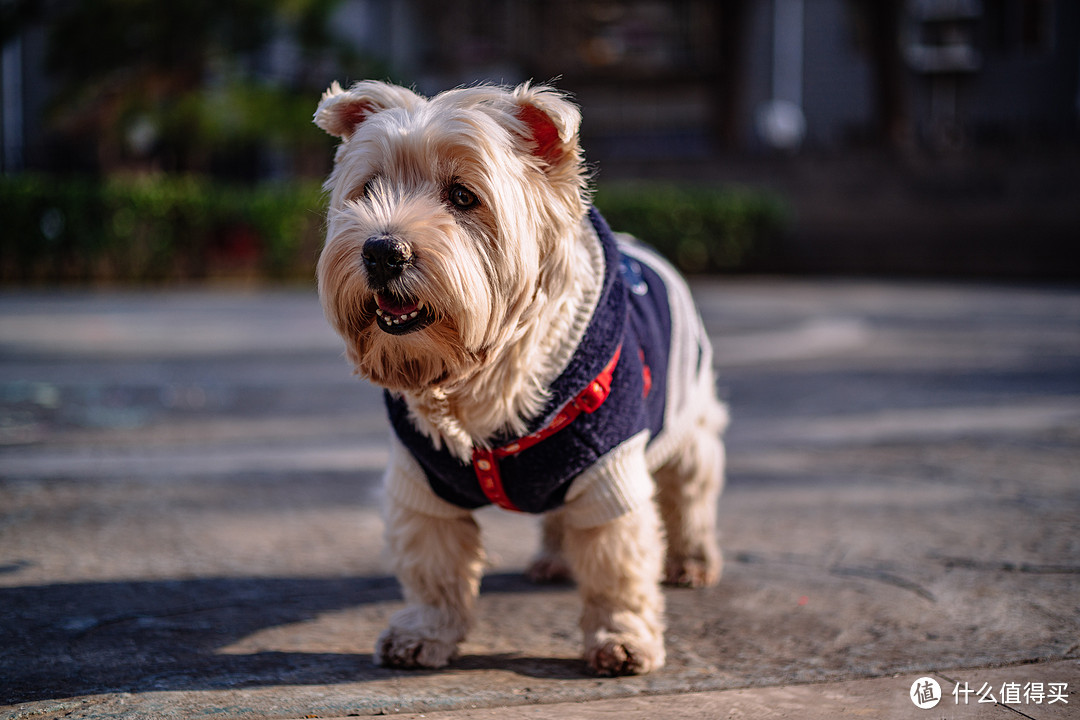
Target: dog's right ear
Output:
[(341, 111), (552, 122)]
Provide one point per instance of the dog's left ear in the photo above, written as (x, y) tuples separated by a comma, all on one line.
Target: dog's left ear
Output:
[(552, 122)]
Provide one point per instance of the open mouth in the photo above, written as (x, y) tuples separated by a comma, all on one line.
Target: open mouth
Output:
[(399, 316)]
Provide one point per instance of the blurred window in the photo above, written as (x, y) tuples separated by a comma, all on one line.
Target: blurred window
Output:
[(1019, 27)]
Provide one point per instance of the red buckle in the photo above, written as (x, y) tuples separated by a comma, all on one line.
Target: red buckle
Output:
[(593, 396)]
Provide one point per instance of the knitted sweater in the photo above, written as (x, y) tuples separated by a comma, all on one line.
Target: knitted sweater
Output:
[(627, 348)]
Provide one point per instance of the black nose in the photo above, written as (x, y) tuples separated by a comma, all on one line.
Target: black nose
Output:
[(385, 257)]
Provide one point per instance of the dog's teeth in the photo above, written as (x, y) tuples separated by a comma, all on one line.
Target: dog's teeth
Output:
[(420, 305), (403, 318), (413, 314), (379, 312)]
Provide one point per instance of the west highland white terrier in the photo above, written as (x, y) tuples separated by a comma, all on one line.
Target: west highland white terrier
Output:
[(530, 358)]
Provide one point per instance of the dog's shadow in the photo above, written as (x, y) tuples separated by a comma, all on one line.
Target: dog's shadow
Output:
[(77, 639)]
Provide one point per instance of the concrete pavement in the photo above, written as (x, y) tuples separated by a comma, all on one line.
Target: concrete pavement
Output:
[(189, 526)]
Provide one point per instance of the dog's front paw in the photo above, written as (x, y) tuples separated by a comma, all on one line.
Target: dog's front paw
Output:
[(403, 649), (620, 655)]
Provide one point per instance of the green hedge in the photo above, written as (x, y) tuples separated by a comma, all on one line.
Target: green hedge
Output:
[(169, 228), (153, 229), (699, 229)]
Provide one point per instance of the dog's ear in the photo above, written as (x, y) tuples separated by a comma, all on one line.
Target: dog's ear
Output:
[(341, 111), (551, 120)]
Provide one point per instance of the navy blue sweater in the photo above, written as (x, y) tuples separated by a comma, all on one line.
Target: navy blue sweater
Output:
[(632, 316)]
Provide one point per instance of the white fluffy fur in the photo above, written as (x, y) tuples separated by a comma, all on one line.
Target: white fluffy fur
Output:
[(510, 285), (482, 367)]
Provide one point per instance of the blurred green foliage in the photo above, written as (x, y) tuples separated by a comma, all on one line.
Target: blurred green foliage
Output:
[(157, 228), (700, 229), (196, 86), (162, 228)]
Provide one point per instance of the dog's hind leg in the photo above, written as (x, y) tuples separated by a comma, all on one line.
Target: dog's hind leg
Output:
[(438, 562), (617, 566), (549, 565), (687, 490)]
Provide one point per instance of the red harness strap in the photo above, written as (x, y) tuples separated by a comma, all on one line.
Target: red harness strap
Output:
[(486, 462)]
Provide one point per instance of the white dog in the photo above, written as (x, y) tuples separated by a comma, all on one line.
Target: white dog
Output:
[(530, 358)]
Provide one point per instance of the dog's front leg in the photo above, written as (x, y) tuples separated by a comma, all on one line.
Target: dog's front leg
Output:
[(438, 562), (618, 567)]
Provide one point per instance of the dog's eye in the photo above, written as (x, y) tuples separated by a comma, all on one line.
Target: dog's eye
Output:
[(367, 190), (361, 193), (462, 197)]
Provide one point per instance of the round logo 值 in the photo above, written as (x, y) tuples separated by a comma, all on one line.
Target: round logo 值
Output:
[(925, 693)]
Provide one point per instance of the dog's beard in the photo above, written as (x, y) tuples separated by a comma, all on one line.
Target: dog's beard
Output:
[(422, 359)]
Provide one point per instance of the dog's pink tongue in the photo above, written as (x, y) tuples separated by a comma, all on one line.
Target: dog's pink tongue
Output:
[(393, 305)]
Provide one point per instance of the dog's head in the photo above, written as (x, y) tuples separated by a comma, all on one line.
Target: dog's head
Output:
[(449, 222)]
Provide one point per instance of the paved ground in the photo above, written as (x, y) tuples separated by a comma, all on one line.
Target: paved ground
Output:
[(188, 524)]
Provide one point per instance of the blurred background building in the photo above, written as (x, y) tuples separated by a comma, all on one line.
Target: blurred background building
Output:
[(683, 78), (877, 105)]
